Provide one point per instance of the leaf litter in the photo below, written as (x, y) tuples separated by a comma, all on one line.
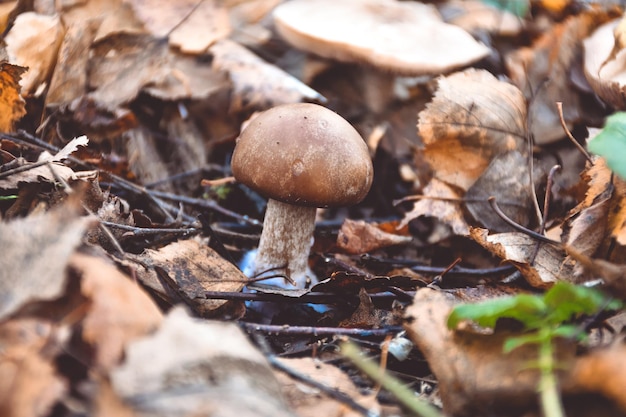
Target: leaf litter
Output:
[(121, 269)]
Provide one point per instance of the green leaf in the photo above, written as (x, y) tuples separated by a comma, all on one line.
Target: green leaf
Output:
[(567, 300), (528, 309), (517, 341), (611, 143), (518, 7), (569, 331)]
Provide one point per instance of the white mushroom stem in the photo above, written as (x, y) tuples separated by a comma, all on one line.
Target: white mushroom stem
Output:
[(286, 242)]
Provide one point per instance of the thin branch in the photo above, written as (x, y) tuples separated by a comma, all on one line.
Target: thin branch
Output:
[(581, 149), (519, 227)]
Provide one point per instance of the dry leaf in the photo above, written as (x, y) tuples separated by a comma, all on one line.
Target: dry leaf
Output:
[(199, 367), (33, 42), (12, 105), (310, 402), (29, 383), (442, 202), (119, 310), (507, 179), (69, 79), (48, 172), (603, 371), (257, 85), (605, 63), (207, 24), (194, 268), (37, 249), (358, 236), (543, 71), (539, 263), (472, 118), (474, 376), (122, 65)]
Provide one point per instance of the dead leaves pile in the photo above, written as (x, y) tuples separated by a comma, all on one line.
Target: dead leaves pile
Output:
[(96, 246)]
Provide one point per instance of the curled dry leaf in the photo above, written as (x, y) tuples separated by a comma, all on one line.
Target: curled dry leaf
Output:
[(605, 65), (358, 236), (43, 173), (33, 42), (539, 263), (37, 249), (257, 84), (12, 105), (606, 201), (472, 118), (193, 268), (440, 201), (542, 71), (197, 367), (119, 310)]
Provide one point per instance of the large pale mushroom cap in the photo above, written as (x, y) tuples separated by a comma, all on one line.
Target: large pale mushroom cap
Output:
[(401, 37), (303, 154)]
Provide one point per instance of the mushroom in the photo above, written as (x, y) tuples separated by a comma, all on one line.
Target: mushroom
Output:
[(301, 156), (403, 38)]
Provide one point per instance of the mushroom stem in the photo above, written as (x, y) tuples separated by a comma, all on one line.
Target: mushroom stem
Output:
[(378, 89), (286, 241)]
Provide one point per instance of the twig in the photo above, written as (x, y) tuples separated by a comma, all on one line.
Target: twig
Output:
[(581, 149), (519, 227), (319, 331), (147, 231)]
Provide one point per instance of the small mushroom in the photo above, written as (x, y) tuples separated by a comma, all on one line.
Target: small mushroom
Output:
[(388, 36), (301, 156)]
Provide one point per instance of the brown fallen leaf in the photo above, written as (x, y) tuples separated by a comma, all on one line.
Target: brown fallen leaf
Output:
[(358, 236), (197, 367), (442, 202), (602, 371), (309, 402), (543, 72), (257, 84), (472, 118), (29, 383), (124, 64), (33, 42), (119, 311), (541, 264), (508, 180), (69, 79), (605, 64), (37, 249), (193, 269), (12, 105), (474, 376)]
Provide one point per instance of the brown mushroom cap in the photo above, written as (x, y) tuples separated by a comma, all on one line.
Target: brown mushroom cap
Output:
[(405, 37), (303, 154)]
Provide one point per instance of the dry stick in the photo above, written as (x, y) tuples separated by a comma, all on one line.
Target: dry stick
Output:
[(559, 107), (147, 231), (519, 227), (546, 208), (153, 196), (319, 331)]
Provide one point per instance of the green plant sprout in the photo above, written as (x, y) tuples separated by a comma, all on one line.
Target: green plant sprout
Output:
[(545, 318), (610, 143)]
